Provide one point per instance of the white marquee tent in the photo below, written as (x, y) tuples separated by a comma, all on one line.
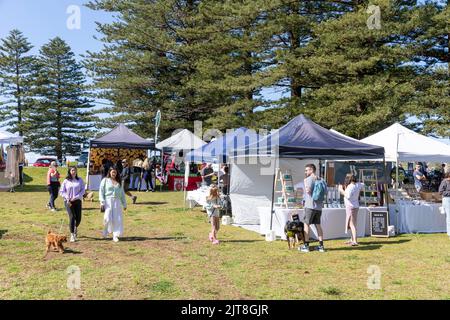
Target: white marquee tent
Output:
[(7, 138), (183, 140), (403, 144)]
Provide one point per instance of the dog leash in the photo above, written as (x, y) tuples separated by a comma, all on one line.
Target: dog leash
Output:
[(60, 227)]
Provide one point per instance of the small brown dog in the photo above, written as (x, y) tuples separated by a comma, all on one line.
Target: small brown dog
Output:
[(89, 196), (55, 240)]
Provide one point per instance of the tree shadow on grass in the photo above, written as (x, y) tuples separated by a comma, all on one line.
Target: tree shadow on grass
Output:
[(350, 248), (150, 203), (384, 242), (243, 241), (68, 250), (33, 188), (134, 238), (91, 209), (2, 232)]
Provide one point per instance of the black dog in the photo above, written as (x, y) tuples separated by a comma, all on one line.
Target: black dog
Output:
[(294, 231)]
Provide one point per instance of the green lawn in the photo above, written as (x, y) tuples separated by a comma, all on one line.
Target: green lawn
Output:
[(166, 255)]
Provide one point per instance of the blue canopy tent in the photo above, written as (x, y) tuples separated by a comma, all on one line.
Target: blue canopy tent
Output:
[(218, 151), (300, 138)]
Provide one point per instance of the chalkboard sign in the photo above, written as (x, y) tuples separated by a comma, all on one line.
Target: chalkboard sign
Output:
[(379, 222)]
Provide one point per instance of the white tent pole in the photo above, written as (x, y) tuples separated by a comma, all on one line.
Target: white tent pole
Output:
[(88, 166), (273, 196), (396, 167), (186, 180), (162, 169)]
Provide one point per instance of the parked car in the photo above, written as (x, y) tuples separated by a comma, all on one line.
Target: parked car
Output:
[(82, 160), (44, 162)]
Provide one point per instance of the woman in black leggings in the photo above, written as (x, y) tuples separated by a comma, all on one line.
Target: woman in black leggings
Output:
[(53, 184), (72, 190)]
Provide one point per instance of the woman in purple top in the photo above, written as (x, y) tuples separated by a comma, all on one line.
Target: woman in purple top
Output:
[(72, 191)]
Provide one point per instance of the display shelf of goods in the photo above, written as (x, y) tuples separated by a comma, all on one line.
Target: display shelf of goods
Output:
[(291, 200), (98, 154)]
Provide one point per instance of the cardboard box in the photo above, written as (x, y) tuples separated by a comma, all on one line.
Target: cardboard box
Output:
[(427, 196)]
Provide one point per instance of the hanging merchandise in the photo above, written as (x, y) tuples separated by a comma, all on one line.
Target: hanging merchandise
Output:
[(12, 166), (2, 159)]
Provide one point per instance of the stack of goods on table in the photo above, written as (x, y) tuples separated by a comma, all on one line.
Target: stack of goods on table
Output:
[(97, 155)]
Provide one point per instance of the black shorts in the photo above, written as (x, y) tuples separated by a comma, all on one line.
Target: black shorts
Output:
[(126, 186), (312, 216)]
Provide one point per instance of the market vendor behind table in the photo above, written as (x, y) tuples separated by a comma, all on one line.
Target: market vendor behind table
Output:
[(207, 174), (418, 177), (444, 190)]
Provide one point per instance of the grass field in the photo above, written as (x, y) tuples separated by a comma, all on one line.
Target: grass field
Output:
[(165, 254)]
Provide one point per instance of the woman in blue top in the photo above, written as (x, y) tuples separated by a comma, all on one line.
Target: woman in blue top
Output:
[(112, 199)]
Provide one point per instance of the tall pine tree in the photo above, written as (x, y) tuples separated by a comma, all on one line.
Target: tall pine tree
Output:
[(61, 119), (16, 81), (145, 65)]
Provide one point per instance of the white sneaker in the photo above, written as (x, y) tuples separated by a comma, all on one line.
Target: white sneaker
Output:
[(53, 210), (115, 239), (72, 237)]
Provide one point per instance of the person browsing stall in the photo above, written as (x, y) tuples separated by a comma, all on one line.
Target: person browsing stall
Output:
[(225, 180), (125, 176), (313, 208), (444, 190), (350, 190)]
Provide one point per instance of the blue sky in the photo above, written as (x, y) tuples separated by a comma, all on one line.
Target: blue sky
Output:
[(42, 20)]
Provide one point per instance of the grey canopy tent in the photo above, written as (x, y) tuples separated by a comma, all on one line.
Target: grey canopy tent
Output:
[(119, 138), (122, 137), (299, 139)]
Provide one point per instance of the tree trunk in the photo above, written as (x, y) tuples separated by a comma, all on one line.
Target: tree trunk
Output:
[(19, 101)]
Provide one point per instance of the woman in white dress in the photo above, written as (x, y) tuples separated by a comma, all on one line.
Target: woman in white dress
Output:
[(112, 200)]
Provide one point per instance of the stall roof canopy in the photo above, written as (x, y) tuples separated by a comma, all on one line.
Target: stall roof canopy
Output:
[(183, 140), (7, 138), (303, 139), (217, 151), (411, 145), (122, 137)]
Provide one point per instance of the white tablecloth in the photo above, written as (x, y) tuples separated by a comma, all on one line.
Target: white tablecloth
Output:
[(197, 197), (94, 182), (424, 218), (332, 222)]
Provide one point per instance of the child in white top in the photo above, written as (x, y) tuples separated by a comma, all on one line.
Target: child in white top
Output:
[(213, 210)]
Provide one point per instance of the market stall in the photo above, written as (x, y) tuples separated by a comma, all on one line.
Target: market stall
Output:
[(11, 154), (120, 143), (332, 221), (288, 149), (412, 211), (175, 147), (217, 152)]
